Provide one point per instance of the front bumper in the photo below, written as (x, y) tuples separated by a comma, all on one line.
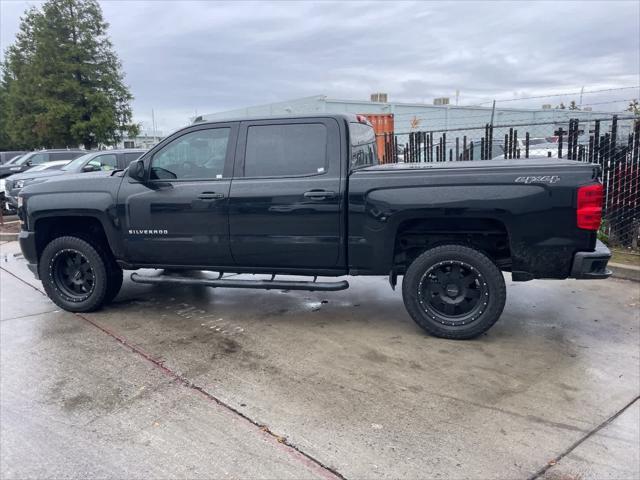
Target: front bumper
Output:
[(29, 251), (592, 265)]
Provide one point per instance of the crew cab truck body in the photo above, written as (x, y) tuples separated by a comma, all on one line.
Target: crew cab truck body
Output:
[(305, 196)]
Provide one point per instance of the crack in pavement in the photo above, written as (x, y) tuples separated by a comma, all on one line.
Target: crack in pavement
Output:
[(310, 462), (28, 315), (23, 281), (578, 442)]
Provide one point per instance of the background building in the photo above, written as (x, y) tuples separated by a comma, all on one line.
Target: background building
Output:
[(145, 139), (410, 117)]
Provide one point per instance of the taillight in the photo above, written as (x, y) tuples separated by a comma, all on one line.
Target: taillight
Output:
[(589, 212)]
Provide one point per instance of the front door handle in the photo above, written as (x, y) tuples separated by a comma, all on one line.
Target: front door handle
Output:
[(210, 196), (319, 194)]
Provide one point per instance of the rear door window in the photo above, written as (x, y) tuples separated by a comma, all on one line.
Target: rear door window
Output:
[(64, 155), (286, 150), (39, 158), (130, 157)]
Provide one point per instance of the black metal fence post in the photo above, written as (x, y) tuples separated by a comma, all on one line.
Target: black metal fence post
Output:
[(490, 156), (464, 148), (570, 140), (444, 147), (431, 146), (612, 142), (560, 132)]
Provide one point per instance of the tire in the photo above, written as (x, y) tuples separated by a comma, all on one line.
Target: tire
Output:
[(75, 274), (114, 272), (454, 292), (115, 282)]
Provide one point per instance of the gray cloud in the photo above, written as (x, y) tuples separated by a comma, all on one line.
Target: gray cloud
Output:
[(211, 56)]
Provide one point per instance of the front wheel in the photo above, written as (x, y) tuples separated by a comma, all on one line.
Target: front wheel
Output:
[(75, 275), (453, 291)]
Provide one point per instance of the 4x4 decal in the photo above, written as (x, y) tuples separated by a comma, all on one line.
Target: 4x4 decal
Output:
[(538, 179)]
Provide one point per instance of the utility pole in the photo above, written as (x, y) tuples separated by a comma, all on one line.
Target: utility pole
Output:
[(153, 125), (493, 111), (581, 93)]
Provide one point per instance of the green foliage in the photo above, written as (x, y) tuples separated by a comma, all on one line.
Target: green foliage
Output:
[(5, 141), (603, 234), (62, 83)]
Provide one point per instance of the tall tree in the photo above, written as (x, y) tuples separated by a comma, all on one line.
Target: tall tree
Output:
[(5, 141), (63, 81)]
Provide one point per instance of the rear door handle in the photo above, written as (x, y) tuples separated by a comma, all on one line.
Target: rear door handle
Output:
[(210, 196), (319, 194)]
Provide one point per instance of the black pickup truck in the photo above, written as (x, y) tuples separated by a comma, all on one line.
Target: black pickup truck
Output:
[(306, 196)]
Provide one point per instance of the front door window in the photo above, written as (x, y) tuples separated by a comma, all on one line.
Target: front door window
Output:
[(196, 155)]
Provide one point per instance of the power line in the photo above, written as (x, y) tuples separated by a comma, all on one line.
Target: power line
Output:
[(621, 118), (556, 95), (610, 101), (503, 121), (503, 113)]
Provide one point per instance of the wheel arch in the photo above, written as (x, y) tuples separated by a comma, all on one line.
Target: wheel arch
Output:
[(49, 227), (415, 235)]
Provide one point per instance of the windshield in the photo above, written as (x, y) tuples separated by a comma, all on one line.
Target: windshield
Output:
[(24, 158), (14, 160), (77, 163)]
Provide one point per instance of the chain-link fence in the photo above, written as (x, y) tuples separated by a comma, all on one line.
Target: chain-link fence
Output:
[(612, 142)]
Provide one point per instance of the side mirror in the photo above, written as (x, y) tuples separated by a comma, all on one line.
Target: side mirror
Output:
[(90, 168), (29, 163), (136, 170)]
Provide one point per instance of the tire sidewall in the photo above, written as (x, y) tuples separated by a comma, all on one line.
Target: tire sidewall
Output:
[(46, 271), (491, 275), (116, 278)]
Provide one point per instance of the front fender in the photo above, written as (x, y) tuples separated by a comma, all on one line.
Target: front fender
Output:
[(98, 205)]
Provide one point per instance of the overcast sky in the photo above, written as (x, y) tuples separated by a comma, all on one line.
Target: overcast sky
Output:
[(209, 56)]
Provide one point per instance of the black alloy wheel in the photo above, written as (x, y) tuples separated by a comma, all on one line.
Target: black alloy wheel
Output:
[(73, 275), (454, 291)]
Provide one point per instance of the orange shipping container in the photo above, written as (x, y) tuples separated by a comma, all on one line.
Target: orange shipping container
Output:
[(382, 123)]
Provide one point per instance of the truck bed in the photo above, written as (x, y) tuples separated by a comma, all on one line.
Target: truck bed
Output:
[(531, 201)]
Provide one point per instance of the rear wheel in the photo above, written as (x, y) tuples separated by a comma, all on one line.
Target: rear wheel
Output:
[(454, 292), (75, 274)]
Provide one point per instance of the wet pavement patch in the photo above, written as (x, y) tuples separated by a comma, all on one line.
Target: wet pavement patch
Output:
[(180, 382)]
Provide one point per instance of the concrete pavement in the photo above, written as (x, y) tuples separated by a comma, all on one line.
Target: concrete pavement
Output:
[(195, 382)]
